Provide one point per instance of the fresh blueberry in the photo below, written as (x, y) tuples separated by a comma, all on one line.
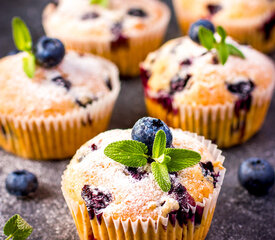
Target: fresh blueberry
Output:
[(137, 12), (145, 130), (21, 183), (194, 29), (256, 175), (49, 52), (13, 52)]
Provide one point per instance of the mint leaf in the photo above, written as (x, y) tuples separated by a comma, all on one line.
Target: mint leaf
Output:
[(128, 152), (29, 65), (181, 158), (21, 35), (206, 38), (17, 228), (159, 144), (222, 33), (103, 3), (223, 52), (235, 51), (161, 175)]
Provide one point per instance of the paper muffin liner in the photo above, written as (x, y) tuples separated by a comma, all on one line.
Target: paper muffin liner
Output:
[(245, 31), (109, 228), (127, 57), (57, 137), (220, 123)]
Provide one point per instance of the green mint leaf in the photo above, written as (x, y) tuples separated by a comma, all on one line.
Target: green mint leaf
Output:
[(222, 33), (103, 3), (235, 51), (223, 52), (206, 38), (21, 35), (17, 228), (181, 158), (159, 144), (161, 175), (29, 65), (127, 152)]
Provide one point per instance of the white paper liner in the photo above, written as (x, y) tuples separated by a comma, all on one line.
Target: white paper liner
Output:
[(126, 58), (118, 229), (57, 137), (217, 122)]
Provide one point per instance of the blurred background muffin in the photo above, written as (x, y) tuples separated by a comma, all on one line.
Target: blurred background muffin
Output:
[(247, 21), (123, 31), (187, 86)]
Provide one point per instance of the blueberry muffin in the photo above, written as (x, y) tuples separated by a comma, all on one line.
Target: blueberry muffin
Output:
[(188, 87), (248, 21), (123, 31), (50, 115), (109, 200)]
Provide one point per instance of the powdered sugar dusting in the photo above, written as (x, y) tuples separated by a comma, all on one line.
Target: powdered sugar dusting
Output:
[(41, 96), (132, 197), (67, 17), (207, 84)]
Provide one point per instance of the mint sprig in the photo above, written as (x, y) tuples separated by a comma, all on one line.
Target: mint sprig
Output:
[(208, 40), (23, 42), (103, 3), (17, 228), (165, 160)]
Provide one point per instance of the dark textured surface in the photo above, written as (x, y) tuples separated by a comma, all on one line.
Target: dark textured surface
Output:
[(238, 215)]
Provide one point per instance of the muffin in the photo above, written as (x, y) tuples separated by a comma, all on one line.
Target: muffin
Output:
[(248, 21), (187, 86), (111, 201), (123, 32), (60, 108)]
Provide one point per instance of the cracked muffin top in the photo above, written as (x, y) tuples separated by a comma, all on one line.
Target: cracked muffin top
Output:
[(110, 188), (192, 75), (74, 84), (81, 19)]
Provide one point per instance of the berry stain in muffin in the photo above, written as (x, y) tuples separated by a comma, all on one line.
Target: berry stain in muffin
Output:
[(268, 26), (213, 8), (119, 40), (95, 200)]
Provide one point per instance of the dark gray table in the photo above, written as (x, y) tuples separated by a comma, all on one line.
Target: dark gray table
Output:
[(238, 215)]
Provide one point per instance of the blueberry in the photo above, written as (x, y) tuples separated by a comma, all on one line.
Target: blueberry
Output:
[(137, 12), (256, 175), (49, 52), (194, 29), (60, 81), (90, 15), (145, 130), (21, 183), (242, 88), (213, 8), (95, 200)]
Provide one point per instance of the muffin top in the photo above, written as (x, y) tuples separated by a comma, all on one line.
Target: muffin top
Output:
[(77, 82), (112, 189), (191, 75), (230, 9), (119, 18)]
